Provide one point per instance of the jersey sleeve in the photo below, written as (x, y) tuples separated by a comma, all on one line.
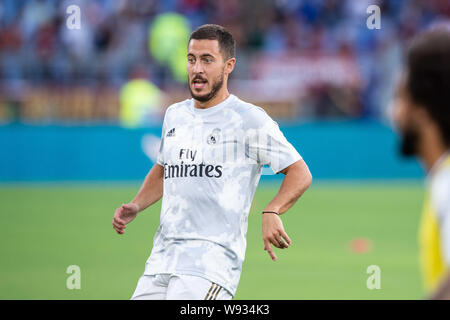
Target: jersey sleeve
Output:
[(440, 194), (268, 146)]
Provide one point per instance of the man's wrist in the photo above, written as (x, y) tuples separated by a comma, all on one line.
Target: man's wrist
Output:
[(138, 207), (272, 208), (270, 212)]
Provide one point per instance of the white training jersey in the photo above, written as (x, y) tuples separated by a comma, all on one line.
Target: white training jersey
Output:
[(439, 180), (212, 161)]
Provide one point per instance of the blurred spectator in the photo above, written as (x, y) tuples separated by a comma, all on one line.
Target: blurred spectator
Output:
[(36, 47), (140, 101)]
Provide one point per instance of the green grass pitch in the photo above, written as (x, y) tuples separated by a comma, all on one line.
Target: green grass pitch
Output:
[(47, 227)]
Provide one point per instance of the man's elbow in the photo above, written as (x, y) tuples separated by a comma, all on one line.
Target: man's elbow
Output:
[(308, 179), (303, 176), (305, 181)]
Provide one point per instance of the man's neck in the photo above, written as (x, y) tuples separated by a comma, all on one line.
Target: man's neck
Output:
[(432, 148), (221, 96)]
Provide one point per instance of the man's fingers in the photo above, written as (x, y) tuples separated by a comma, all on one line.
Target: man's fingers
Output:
[(272, 255), (119, 231), (269, 250), (278, 242), (119, 221), (275, 243), (286, 237), (117, 225), (281, 242), (118, 228)]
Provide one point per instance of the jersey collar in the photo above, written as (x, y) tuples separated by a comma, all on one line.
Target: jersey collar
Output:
[(210, 110)]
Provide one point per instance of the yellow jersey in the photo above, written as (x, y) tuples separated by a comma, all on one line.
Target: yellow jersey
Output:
[(434, 231)]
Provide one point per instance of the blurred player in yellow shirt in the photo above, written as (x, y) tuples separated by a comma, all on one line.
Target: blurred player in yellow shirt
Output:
[(422, 117)]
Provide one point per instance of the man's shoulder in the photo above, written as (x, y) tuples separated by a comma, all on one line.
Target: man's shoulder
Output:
[(441, 179), (177, 110), (177, 106), (254, 116), (440, 189)]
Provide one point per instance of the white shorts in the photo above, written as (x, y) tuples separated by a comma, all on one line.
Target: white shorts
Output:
[(178, 287)]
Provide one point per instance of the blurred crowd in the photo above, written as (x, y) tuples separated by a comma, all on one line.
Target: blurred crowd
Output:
[(36, 46)]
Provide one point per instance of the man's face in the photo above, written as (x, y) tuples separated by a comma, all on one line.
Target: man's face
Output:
[(405, 116), (206, 69)]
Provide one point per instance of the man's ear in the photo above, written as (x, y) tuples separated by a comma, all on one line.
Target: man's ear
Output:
[(229, 65)]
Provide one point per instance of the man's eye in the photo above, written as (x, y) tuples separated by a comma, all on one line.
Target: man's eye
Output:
[(207, 60), (191, 60)]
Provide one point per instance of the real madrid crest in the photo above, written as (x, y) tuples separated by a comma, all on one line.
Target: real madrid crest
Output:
[(214, 137)]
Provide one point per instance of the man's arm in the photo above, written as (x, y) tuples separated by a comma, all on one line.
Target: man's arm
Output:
[(297, 179), (443, 291), (152, 188), (149, 193)]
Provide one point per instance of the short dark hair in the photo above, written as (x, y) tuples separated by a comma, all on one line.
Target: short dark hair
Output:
[(428, 76), (226, 41)]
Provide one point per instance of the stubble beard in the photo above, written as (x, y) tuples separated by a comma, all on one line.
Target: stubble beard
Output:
[(217, 85)]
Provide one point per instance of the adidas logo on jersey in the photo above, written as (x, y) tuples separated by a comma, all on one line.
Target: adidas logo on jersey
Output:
[(171, 133)]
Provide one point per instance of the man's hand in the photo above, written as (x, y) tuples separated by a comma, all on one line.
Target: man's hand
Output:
[(150, 192), (273, 233), (124, 215)]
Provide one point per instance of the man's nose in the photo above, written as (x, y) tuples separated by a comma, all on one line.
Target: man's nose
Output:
[(198, 68)]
